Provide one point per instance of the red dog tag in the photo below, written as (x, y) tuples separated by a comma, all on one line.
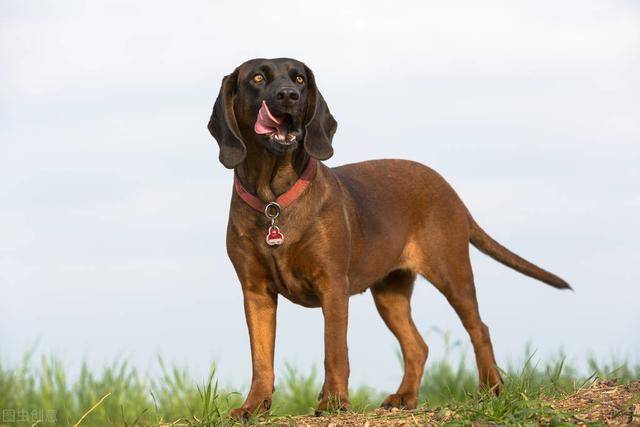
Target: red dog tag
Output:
[(274, 237)]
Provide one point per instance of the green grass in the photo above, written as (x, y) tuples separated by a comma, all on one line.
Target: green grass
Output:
[(127, 398)]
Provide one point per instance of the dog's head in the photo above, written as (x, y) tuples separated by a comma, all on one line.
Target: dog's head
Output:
[(274, 103)]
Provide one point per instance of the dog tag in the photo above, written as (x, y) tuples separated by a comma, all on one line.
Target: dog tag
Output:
[(274, 237)]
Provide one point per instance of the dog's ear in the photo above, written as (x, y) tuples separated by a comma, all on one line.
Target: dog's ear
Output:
[(319, 123), (223, 125)]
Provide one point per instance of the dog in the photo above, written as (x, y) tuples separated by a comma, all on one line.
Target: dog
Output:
[(317, 235)]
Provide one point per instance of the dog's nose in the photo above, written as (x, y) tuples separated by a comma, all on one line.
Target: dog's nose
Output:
[(288, 96)]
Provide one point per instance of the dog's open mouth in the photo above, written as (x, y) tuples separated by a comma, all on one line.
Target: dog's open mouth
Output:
[(279, 129)]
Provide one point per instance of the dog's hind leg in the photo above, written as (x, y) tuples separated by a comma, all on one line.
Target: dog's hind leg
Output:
[(449, 270), (392, 296)]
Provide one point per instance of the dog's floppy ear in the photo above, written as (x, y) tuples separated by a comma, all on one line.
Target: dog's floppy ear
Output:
[(224, 127), (319, 123)]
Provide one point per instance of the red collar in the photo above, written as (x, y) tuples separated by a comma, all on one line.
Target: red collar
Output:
[(286, 198)]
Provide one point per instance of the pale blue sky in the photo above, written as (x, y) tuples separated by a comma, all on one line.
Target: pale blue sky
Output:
[(113, 205)]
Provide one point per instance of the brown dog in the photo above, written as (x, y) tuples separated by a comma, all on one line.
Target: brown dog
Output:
[(340, 231)]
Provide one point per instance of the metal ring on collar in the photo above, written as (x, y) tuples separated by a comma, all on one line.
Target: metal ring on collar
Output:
[(272, 210)]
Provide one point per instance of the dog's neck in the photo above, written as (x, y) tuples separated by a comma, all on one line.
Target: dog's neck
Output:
[(267, 175)]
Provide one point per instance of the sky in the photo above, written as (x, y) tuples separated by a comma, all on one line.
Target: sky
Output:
[(113, 206)]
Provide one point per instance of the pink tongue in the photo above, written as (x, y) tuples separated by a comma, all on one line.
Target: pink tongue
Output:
[(267, 123)]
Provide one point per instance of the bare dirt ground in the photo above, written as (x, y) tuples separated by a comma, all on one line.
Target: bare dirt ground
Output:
[(604, 402)]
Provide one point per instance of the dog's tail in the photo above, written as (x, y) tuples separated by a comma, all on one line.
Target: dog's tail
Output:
[(481, 240)]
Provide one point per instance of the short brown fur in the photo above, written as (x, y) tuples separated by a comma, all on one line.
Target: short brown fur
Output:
[(371, 225)]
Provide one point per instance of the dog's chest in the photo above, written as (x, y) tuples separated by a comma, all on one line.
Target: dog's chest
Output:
[(292, 278)]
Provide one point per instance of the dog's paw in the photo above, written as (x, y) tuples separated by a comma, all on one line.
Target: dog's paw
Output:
[(493, 389), (240, 414), (400, 401), (332, 404), (246, 411)]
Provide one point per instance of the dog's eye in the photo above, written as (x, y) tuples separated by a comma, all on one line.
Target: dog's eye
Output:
[(299, 80), (258, 78)]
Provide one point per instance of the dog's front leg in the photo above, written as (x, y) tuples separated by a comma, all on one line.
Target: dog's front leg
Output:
[(260, 305), (334, 296)]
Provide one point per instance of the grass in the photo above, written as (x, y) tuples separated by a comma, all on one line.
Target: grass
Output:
[(120, 396)]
